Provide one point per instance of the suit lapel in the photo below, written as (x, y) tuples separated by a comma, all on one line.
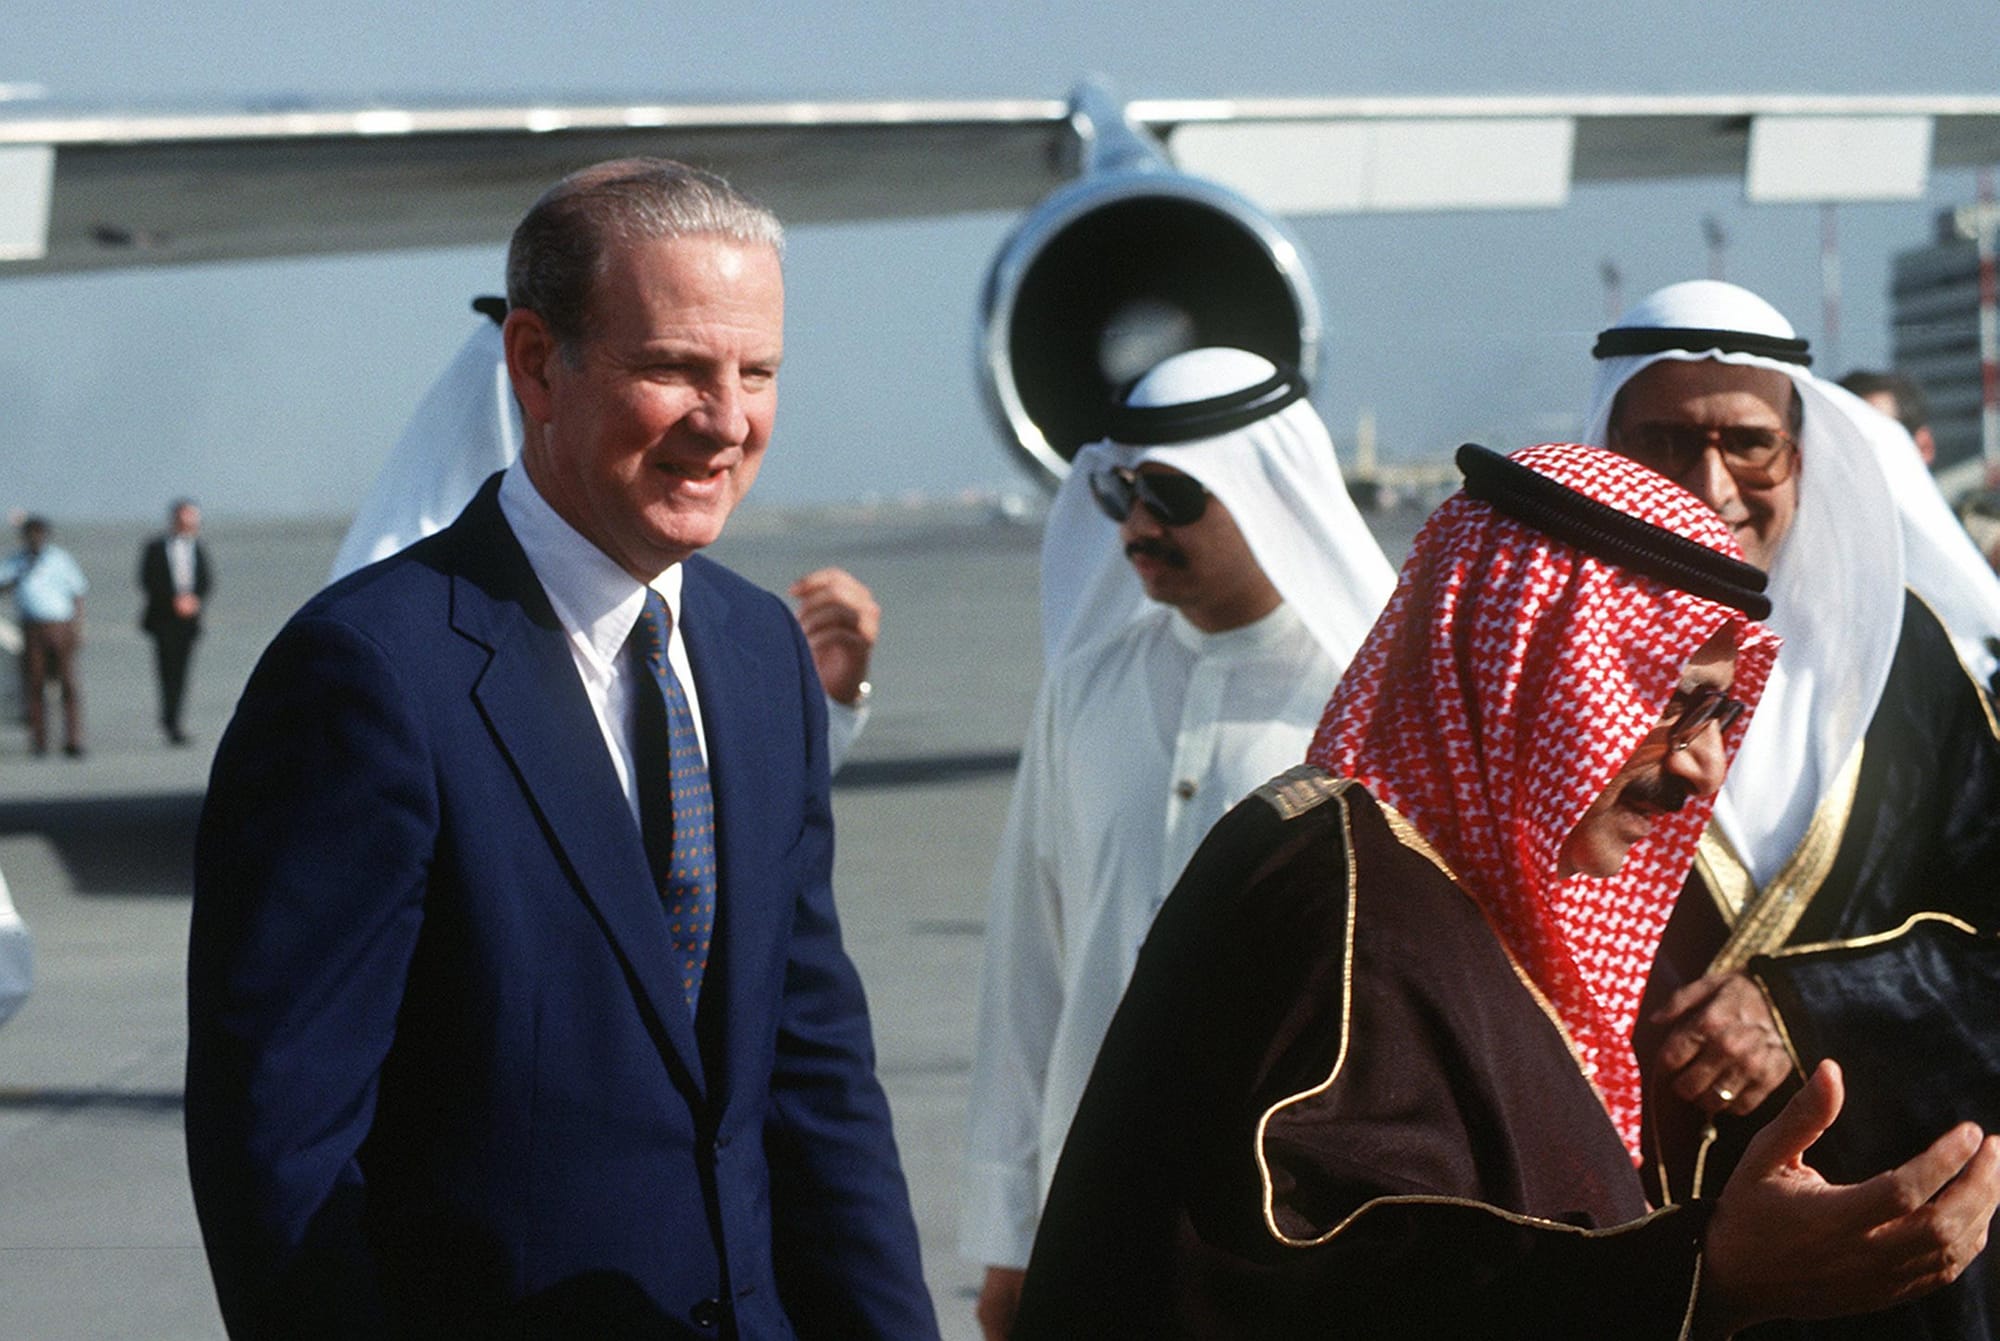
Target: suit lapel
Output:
[(736, 707), (538, 711)]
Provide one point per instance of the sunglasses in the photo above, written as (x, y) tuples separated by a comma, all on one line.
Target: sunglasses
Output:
[(1758, 457), (1689, 714), (1173, 500)]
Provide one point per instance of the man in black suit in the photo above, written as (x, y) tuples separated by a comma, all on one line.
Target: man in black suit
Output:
[(517, 1002), (175, 576)]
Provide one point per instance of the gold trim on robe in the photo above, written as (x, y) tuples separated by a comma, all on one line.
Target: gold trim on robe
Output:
[(1299, 789), (1409, 837), (1759, 924), (1978, 689), (1874, 938), (1774, 914)]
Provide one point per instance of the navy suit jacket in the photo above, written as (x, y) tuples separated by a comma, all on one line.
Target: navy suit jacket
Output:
[(441, 1078), (156, 580)]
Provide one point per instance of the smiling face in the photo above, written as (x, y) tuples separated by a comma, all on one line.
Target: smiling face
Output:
[(1657, 779), (647, 436), (1710, 394)]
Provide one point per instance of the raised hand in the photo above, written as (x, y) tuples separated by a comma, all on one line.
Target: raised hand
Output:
[(841, 622), (1785, 1243)]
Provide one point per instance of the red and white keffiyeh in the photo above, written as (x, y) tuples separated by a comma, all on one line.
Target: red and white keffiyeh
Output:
[(1506, 684)]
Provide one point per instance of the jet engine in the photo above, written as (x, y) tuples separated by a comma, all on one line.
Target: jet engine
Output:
[(1127, 265)]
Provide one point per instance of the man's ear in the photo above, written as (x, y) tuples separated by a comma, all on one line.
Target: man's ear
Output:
[(531, 350)]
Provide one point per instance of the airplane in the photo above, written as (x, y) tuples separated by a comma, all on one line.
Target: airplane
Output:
[(1149, 225)]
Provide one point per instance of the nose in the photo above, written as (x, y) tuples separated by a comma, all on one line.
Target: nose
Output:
[(1703, 764), (1710, 481), (722, 415), (1141, 524)]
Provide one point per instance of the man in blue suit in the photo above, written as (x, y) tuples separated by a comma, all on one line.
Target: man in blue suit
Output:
[(495, 1027)]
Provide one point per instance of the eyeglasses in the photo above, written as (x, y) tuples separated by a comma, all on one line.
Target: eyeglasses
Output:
[(1689, 713), (1173, 500), (1758, 457)]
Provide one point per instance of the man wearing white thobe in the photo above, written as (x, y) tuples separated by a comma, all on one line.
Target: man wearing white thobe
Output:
[(1191, 647)]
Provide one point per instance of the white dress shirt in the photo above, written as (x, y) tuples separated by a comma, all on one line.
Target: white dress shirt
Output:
[(597, 603), (180, 562), (1139, 744)]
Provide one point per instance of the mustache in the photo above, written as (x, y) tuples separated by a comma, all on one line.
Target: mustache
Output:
[(1660, 791), (1171, 555)]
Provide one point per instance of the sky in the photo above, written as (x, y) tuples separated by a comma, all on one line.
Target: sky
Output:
[(276, 388)]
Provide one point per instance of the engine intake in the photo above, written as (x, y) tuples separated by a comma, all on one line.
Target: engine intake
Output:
[(1117, 271)]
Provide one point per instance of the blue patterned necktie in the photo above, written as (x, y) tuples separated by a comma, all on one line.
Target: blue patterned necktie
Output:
[(676, 812)]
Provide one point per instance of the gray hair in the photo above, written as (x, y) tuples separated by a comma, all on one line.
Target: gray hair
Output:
[(558, 248)]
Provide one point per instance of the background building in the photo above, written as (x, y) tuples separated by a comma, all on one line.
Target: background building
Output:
[(1934, 310)]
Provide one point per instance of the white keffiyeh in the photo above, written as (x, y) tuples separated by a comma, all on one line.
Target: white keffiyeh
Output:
[(466, 427), (1869, 522), (1281, 483)]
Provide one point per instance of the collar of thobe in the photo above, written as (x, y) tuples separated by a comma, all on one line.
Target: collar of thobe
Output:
[(1270, 632)]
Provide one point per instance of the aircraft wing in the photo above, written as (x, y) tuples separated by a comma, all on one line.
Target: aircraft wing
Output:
[(1306, 155), (136, 190), (86, 191)]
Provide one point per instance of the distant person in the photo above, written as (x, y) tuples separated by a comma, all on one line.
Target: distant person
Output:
[(17, 956), (1898, 396), (1844, 903), (517, 1002), (1979, 511), (1363, 1081), (468, 426), (48, 592), (174, 575), (1205, 579)]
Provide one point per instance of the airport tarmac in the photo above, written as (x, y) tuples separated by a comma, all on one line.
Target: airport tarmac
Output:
[(97, 1230)]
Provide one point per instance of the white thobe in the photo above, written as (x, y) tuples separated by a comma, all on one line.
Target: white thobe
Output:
[(1139, 744)]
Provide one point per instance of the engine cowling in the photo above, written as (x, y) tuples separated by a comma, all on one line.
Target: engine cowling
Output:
[(1116, 271)]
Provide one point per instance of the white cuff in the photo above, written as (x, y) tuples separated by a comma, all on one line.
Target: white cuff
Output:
[(997, 1213), (843, 727)]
